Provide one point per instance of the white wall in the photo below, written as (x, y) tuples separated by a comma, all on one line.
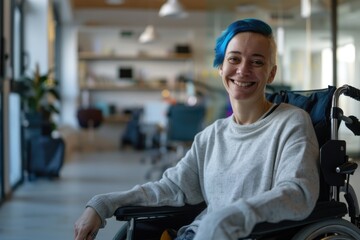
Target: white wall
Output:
[(36, 34), (69, 70)]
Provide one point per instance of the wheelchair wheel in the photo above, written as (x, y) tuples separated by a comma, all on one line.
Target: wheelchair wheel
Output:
[(121, 233), (334, 229)]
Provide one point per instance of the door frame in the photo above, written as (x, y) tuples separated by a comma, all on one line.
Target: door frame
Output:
[(2, 78)]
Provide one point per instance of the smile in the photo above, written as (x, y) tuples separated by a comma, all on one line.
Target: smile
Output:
[(243, 84)]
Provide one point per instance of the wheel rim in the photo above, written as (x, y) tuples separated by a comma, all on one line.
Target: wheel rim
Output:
[(338, 232)]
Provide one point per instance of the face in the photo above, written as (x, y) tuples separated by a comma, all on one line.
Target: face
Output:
[(247, 67)]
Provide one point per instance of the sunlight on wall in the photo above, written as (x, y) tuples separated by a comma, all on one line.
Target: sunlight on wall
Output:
[(326, 75), (345, 61), (347, 53)]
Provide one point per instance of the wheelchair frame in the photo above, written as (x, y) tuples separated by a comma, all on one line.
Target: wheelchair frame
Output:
[(326, 220)]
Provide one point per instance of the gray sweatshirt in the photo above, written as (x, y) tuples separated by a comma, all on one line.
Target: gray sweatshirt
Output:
[(263, 172)]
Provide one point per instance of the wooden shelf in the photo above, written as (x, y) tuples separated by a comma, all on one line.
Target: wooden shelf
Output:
[(113, 87), (117, 118), (88, 56)]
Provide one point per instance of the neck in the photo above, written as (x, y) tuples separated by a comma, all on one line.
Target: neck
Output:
[(247, 113)]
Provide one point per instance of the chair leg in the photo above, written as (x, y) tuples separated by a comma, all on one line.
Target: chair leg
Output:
[(91, 130)]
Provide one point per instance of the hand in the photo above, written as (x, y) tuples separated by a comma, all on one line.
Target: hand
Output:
[(87, 226)]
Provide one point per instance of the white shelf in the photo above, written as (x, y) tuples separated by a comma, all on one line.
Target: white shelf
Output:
[(88, 56)]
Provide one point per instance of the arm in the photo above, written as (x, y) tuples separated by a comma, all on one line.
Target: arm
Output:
[(179, 185), (87, 226)]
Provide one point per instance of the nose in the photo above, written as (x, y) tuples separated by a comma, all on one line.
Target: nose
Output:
[(243, 69)]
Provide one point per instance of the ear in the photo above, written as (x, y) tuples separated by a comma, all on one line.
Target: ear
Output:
[(272, 74), (220, 69)]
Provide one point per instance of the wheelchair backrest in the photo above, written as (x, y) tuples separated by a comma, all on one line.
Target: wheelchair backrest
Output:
[(185, 121), (318, 104)]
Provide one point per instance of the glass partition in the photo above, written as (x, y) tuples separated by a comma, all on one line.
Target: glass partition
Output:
[(305, 32)]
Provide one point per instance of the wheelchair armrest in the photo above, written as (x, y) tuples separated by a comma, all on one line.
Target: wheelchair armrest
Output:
[(322, 211), (129, 212)]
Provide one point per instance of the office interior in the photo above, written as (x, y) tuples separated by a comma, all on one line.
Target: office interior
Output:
[(98, 54)]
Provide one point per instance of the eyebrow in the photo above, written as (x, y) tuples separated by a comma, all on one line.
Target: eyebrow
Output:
[(254, 55)]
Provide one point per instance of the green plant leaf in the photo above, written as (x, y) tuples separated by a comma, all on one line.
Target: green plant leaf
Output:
[(40, 94)]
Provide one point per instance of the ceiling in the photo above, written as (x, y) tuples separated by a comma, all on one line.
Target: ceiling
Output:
[(190, 5), (138, 13)]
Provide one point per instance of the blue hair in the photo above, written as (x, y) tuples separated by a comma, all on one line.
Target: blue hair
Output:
[(244, 25)]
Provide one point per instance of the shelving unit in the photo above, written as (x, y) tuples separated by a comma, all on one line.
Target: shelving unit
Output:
[(93, 80), (89, 56), (114, 87), (85, 57)]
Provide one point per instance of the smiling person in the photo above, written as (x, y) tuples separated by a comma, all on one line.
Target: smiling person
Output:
[(258, 165)]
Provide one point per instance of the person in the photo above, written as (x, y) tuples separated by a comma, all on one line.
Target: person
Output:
[(258, 165)]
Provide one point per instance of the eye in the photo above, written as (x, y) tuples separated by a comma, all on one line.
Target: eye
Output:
[(258, 63), (233, 60)]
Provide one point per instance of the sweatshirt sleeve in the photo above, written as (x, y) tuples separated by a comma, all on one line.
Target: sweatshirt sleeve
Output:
[(292, 197), (179, 185)]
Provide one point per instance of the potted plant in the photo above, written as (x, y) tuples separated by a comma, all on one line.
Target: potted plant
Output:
[(44, 152), (40, 97)]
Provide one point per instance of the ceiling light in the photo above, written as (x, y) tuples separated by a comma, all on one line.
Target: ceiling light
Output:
[(148, 35), (311, 7), (114, 2), (305, 8), (172, 9)]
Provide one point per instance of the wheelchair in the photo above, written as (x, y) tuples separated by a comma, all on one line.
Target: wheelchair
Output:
[(336, 214)]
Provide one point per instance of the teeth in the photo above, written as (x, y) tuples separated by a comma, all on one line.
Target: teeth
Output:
[(243, 84)]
